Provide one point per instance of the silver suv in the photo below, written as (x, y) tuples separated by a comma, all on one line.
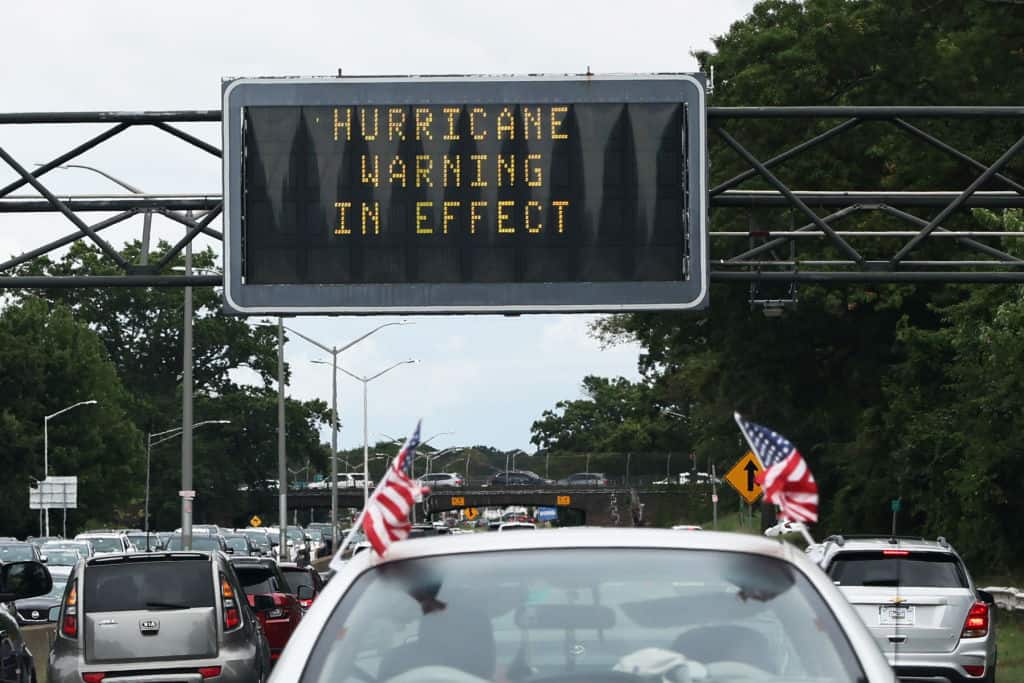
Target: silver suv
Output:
[(167, 616), (919, 602)]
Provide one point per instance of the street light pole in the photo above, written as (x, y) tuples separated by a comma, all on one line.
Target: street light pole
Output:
[(187, 493), (366, 433), (282, 461), (173, 433), (46, 456), (334, 351)]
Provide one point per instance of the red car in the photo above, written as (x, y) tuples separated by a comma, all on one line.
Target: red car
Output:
[(276, 607), (305, 582)]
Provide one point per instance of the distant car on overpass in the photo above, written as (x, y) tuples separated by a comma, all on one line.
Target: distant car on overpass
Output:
[(517, 478)]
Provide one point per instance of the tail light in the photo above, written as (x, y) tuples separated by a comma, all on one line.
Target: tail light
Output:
[(306, 604), (95, 677), (976, 624), (975, 669), (69, 626), (897, 553), (232, 617), (209, 671)]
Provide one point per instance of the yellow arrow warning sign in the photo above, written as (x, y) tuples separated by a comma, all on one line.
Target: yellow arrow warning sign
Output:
[(743, 474), (255, 521)]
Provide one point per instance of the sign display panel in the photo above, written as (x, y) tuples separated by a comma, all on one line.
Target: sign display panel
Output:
[(464, 195)]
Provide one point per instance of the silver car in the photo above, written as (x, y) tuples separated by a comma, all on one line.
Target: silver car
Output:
[(572, 605), (164, 616), (919, 602)]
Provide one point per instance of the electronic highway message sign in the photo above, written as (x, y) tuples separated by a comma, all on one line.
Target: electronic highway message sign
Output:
[(465, 194)]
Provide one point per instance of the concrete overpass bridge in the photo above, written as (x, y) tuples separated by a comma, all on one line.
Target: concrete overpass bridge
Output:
[(598, 506)]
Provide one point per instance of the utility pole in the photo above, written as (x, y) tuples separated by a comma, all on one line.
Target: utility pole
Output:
[(282, 461), (187, 493)]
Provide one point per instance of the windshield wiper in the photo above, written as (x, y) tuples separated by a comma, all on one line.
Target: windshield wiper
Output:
[(167, 605)]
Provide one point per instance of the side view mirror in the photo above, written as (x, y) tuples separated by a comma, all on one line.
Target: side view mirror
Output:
[(306, 593), (20, 580), (43, 559), (986, 597), (262, 603)]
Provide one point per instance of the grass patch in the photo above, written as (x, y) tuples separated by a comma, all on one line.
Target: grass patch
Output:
[(1010, 642)]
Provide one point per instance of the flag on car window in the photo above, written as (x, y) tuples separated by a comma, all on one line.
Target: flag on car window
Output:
[(786, 479), (386, 518)]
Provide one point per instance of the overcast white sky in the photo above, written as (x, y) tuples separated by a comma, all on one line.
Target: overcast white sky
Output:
[(485, 378)]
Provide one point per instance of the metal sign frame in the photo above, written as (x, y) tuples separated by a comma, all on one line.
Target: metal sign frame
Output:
[(689, 292)]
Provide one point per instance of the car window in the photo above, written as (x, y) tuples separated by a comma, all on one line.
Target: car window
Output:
[(107, 545), (148, 585), (206, 543), (296, 578), (16, 553), (579, 615), (259, 580), (932, 570), (61, 558), (238, 544)]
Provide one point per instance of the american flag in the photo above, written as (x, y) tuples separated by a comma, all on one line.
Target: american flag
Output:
[(786, 480), (387, 513)]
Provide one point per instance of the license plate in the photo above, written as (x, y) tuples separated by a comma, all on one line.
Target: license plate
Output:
[(896, 616)]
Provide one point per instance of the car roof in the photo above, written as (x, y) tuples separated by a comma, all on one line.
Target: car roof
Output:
[(582, 537), (836, 544), (99, 534), (179, 555)]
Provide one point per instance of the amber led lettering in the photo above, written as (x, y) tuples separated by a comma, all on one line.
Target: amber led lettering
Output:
[(423, 118), (479, 181), (373, 214), (396, 123), (556, 123), (447, 217), (451, 113), (421, 219), (345, 123), (376, 124), (342, 208), (502, 216)]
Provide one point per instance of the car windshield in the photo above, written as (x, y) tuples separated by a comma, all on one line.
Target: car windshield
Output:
[(296, 578), (61, 558), (198, 543), (237, 543), (931, 570), (148, 585), (16, 552), (139, 540), (257, 580), (106, 544), (583, 615)]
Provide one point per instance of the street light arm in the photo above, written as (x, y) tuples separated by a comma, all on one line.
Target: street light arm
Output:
[(402, 362), (353, 375), (118, 181), (374, 330), (71, 407), (178, 430), (314, 342)]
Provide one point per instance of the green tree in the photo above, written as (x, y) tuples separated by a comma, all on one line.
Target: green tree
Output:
[(48, 361)]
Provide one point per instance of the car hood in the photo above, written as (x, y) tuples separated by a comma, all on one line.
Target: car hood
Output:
[(41, 603)]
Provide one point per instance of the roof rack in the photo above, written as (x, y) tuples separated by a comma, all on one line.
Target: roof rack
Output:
[(841, 539)]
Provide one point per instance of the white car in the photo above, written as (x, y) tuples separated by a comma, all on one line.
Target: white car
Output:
[(516, 526), (579, 604), (346, 480), (108, 544), (439, 480)]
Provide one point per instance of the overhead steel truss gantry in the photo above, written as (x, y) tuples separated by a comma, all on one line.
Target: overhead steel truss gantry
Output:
[(917, 235)]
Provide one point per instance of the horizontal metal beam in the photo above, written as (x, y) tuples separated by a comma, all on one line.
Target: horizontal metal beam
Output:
[(196, 115), (866, 277), (74, 281), (118, 203), (723, 113), (838, 199)]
